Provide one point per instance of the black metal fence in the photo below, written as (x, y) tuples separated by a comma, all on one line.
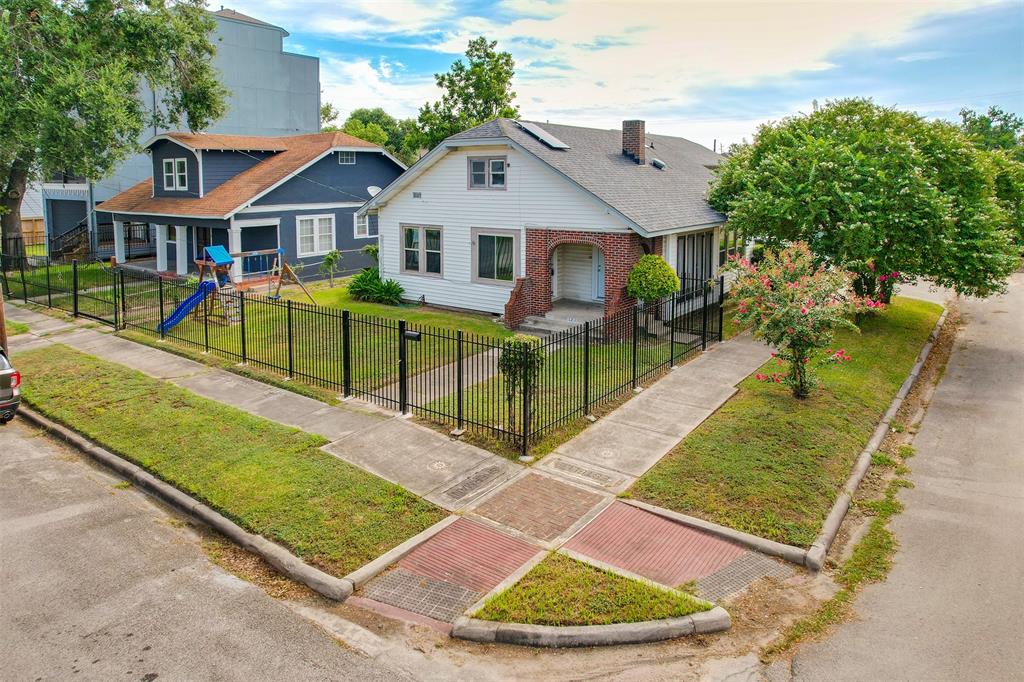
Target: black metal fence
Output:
[(447, 376)]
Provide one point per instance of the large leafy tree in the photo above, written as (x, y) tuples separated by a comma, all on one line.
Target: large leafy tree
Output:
[(71, 77), (473, 92), (877, 191), (1001, 135), (377, 122)]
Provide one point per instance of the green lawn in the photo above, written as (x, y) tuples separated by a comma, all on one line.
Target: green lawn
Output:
[(771, 465), (270, 479), (563, 591), (15, 327)]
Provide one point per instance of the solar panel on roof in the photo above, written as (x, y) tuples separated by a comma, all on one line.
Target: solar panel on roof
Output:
[(542, 135)]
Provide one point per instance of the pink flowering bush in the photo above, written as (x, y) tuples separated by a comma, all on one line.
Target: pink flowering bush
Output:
[(796, 306)]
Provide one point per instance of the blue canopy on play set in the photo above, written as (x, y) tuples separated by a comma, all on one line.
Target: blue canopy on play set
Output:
[(219, 255)]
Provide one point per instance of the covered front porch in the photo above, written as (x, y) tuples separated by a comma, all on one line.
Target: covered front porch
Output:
[(179, 244)]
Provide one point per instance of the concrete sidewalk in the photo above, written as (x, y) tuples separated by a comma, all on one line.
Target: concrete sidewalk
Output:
[(620, 447), (446, 472)]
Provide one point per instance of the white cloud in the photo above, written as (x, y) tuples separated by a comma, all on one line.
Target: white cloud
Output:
[(351, 84), (921, 56)]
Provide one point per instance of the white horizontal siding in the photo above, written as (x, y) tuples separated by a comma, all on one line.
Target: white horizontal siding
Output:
[(536, 197), (576, 272)]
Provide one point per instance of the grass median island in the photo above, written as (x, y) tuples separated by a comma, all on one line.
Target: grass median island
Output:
[(768, 464), (562, 591), (268, 478)]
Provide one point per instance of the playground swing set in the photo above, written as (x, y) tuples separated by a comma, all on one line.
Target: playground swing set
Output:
[(268, 265)]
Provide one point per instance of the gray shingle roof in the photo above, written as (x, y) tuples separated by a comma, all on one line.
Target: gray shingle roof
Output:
[(654, 199)]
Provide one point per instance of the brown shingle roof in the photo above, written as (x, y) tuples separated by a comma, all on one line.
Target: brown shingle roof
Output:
[(294, 153)]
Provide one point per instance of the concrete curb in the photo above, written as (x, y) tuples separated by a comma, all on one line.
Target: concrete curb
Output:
[(524, 634), (284, 561), (790, 553), (819, 548), (367, 572)]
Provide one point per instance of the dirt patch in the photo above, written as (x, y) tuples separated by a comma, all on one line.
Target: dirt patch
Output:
[(252, 568)]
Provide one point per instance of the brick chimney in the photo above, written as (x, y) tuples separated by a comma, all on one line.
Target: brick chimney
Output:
[(633, 137)]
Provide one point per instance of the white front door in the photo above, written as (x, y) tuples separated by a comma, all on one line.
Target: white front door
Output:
[(598, 268)]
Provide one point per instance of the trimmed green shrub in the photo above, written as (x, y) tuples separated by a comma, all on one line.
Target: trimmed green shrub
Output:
[(520, 363), (368, 286), (652, 278)]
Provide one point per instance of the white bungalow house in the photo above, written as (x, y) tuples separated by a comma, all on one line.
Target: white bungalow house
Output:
[(535, 220)]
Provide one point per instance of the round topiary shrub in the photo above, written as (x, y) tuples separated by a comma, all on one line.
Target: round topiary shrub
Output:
[(652, 278)]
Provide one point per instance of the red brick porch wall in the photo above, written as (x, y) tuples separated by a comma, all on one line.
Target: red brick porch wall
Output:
[(532, 293)]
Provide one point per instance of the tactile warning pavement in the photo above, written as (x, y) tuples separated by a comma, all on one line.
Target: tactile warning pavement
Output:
[(468, 554), (539, 506), (428, 597), (652, 546), (740, 573)]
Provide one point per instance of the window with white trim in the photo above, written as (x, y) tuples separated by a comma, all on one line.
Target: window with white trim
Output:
[(361, 225), (495, 255), (347, 158), (421, 249), (314, 234), (487, 172), (175, 175)]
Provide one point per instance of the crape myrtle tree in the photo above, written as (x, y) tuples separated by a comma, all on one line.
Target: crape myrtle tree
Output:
[(71, 76), (1001, 135), (882, 193)]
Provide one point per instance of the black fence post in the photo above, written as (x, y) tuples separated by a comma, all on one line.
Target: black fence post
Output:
[(291, 346), (704, 320), (241, 317), (721, 303), (586, 368), (458, 378), (206, 324), (124, 299), (403, 378), (636, 339), (116, 295), (160, 281), (672, 332), (74, 287), (346, 353), (49, 288), (24, 287), (524, 448)]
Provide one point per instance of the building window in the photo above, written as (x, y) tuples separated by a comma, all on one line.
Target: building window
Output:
[(347, 158), (315, 235), (175, 175), (362, 226), (730, 243), (487, 172), (495, 256), (421, 249)]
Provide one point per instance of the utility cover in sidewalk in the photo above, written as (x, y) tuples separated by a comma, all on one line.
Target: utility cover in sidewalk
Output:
[(652, 546), (539, 506)]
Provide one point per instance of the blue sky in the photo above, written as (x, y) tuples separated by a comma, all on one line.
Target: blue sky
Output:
[(707, 71)]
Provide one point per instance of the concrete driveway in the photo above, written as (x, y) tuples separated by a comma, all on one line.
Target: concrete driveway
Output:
[(953, 606), (98, 583)]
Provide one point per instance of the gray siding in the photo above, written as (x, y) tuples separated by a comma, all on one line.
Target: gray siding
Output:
[(219, 167), (63, 214), (352, 259), (165, 149), (327, 181)]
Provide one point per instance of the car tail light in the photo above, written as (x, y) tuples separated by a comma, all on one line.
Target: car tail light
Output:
[(16, 380)]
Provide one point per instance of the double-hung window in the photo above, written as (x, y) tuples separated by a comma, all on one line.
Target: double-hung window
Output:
[(495, 256), (175, 175), (315, 234), (487, 172), (362, 226), (421, 249)]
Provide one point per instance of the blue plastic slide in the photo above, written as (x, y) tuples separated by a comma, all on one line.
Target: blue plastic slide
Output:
[(206, 288)]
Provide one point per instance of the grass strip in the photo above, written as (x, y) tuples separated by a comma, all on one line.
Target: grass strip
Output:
[(768, 464), (268, 478), (13, 327), (562, 591)]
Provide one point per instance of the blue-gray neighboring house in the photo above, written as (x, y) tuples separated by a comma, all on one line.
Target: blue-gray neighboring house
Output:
[(251, 193), (270, 92)]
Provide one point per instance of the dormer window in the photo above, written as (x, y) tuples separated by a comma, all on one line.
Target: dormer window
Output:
[(487, 172), (175, 175), (347, 158)]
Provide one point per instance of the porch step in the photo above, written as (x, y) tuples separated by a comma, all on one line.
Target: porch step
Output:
[(543, 326)]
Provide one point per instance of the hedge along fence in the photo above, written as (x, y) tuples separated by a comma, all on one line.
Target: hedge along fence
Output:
[(514, 390)]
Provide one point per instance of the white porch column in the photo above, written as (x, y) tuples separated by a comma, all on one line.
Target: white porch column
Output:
[(181, 249), (161, 248), (119, 241), (235, 246)]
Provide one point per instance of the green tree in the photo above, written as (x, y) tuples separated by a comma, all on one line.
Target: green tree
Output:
[(880, 192), (328, 115), (371, 132), (473, 92), (330, 265), (71, 78), (995, 129)]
